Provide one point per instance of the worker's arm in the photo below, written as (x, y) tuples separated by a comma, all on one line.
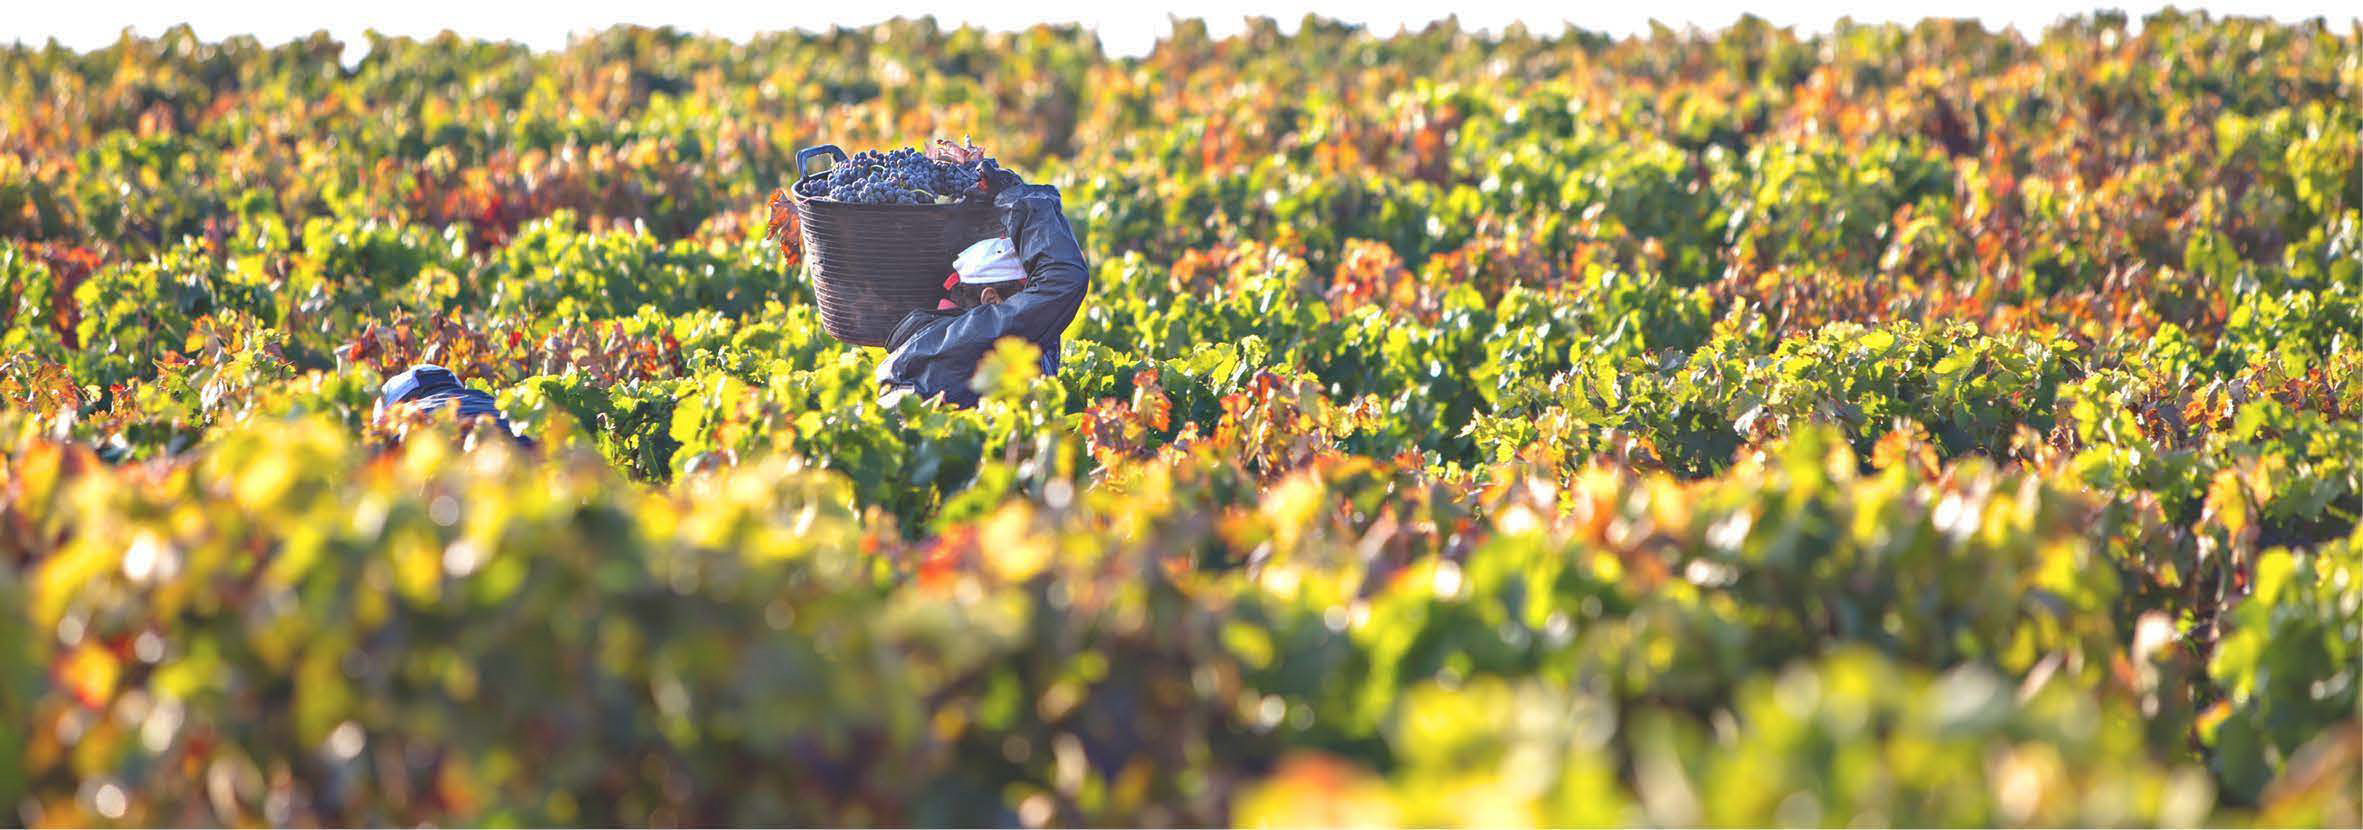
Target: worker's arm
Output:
[(1056, 278)]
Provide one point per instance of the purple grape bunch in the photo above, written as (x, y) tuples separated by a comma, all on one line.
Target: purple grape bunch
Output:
[(897, 177)]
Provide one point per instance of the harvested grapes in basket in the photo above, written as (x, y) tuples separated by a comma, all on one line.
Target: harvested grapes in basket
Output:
[(904, 176)]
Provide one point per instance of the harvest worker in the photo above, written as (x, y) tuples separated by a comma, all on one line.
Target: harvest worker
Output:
[(431, 388), (1027, 284)]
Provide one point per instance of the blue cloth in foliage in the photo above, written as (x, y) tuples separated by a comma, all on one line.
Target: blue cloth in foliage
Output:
[(935, 352), (433, 388)]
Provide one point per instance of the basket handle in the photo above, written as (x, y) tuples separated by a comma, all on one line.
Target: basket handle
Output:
[(807, 153)]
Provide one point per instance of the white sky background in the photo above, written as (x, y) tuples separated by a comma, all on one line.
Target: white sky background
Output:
[(1125, 28)]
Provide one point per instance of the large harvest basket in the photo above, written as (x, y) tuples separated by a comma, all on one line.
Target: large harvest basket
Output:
[(873, 264)]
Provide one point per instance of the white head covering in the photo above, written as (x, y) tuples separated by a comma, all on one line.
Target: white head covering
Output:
[(991, 261)]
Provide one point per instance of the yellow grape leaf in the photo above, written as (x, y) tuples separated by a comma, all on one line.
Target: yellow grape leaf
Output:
[(2227, 501), (1012, 551)]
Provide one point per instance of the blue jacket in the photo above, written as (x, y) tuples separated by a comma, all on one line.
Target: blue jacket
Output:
[(433, 388), (935, 352)]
